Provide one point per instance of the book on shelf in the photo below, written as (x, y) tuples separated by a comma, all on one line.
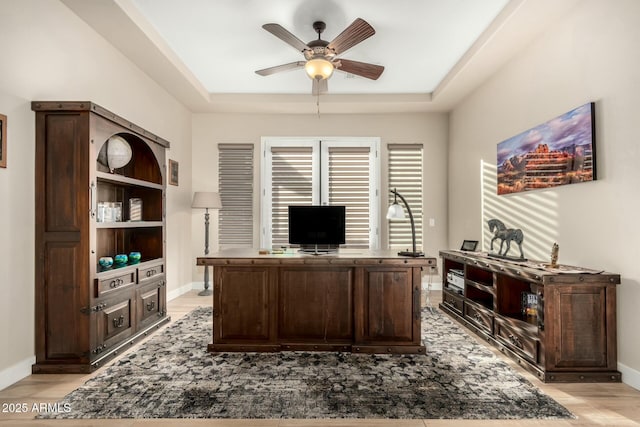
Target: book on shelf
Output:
[(529, 304)]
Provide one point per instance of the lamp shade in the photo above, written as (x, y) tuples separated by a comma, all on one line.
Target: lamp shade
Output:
[(395, 211), (206, 199), (319, 68)]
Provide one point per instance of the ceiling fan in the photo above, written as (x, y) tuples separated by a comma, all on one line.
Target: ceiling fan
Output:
[(322, 56)]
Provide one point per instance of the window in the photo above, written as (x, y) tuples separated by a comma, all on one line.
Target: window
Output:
[(235, 165), (313, 172), (405, 175), (348, 183), (292, 182)]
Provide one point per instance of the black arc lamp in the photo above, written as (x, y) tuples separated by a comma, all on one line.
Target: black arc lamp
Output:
[(396, 212)]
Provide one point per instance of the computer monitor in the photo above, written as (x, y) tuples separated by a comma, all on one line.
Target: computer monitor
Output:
[(317, 228)]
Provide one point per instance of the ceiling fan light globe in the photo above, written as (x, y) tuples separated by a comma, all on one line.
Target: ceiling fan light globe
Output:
[(319, 68)]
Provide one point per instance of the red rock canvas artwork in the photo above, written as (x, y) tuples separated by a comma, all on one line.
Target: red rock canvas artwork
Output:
[(558, 152)]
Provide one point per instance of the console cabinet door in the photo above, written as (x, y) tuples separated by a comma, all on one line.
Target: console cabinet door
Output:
[(578, 328), (244, 305), (388, 306)]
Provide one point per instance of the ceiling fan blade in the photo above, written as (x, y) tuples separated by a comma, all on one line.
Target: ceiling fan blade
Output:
[(358, 31), (320, 87), (280, 32), (278, 68), (363, 69)]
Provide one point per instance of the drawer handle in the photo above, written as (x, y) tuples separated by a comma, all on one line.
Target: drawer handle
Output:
[(477, 317), (151, 305), (515, 341), (151, 272), (119, 322), (115, 283)]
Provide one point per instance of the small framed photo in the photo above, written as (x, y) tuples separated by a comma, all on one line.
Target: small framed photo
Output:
[(469, 245), (3, 141), (173, 172)]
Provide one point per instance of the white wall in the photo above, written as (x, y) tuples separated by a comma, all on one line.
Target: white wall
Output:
[(48, 53), (430, 129), (589, 55)]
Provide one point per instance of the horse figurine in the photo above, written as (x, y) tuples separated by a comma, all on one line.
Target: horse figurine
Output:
[(500, 231)]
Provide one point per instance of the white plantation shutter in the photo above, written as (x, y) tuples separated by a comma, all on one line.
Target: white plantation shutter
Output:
[(349, 176), (309, 171), (235, 165), (291, 184), (405, 175)]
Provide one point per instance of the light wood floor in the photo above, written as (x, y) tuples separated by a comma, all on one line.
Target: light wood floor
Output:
[(593, 404)]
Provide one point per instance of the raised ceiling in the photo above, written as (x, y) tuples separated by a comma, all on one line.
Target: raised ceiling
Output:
[(222, 42), (206, 52)]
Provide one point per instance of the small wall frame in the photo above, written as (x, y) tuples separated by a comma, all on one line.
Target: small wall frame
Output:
[(173, 172), (3, 141)]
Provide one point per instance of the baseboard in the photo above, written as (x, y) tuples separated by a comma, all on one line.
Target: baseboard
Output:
[(15, 373), (630, 376), (434, 286), (182, 290)]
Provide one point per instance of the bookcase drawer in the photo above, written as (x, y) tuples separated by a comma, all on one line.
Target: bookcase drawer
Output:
[(108, 286), (149, 274)]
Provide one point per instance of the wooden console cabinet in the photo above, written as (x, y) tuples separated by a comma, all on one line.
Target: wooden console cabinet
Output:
[(85, 314), (359, 301), (559, 326)]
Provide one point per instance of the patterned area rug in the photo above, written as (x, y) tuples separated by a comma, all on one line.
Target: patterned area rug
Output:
[(173, 376)]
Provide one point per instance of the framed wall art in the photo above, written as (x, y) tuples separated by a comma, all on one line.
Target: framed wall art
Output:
[(173, 172), (558, 152), (3, 141)]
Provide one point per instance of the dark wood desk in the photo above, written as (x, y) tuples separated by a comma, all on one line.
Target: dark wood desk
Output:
[(357, 300)]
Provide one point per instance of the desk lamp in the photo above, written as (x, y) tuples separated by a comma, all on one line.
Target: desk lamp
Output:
[(396, 212)]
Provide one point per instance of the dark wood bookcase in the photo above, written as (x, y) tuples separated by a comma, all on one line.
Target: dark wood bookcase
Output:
[(559, 326), (86, 314)]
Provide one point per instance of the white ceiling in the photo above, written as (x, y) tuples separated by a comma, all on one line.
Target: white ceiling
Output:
[(222, 42), (205, 52)]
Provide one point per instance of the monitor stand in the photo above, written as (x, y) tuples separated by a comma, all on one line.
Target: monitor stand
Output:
[(318, 249)]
